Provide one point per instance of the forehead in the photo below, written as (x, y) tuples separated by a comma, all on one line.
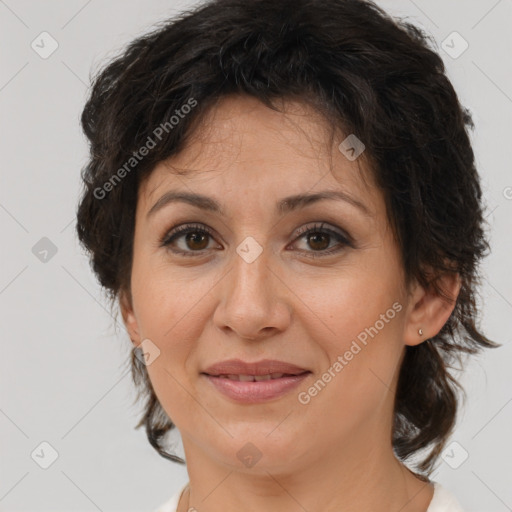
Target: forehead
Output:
[(243, 147)]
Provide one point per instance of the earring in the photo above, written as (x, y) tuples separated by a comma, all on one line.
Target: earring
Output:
[(420, 332)]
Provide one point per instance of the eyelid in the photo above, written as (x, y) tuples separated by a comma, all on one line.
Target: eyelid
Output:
[(320, 226), (342, 237), (176, 231)]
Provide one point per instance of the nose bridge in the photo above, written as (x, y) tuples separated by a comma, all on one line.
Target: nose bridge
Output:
[(250, 280), (251, 302)]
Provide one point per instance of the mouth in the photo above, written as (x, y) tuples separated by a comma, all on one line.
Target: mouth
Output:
[(251, 383), (268, 368), (256, 378)]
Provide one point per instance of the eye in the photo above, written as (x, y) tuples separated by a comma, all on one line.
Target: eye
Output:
[(195, 239), (320, 239)]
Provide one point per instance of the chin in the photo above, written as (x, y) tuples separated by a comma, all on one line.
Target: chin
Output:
[(256, 451)]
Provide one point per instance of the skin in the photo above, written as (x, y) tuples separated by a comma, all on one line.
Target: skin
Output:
[(335, 452)]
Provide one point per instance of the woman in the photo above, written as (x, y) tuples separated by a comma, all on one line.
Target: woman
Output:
[(283, 201)]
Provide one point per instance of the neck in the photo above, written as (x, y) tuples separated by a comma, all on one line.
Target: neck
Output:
[(349, 480)]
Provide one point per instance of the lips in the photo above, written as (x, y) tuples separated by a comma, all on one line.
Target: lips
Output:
[(241, 370), (254, 378), (252, 383)]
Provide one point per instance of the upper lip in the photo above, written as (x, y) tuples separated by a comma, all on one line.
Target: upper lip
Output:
[(263, 367)]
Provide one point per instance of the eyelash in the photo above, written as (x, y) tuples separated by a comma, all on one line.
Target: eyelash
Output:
[(184, 229)]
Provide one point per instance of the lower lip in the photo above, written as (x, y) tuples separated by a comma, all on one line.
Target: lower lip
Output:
[(256, 392)]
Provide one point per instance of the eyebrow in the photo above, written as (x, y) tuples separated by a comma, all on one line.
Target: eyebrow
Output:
[(284, 206)]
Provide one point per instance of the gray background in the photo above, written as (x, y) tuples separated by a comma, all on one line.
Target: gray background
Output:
[(63, 373)]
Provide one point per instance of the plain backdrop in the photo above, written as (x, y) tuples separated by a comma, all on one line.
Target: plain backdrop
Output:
[(66, 397)]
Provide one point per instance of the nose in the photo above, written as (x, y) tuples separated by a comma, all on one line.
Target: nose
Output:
[(253, 300)]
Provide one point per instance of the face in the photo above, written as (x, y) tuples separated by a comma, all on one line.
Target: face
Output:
[(317, 284)]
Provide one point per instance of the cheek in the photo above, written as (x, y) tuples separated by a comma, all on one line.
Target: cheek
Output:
[(357, 321), (167, 300), (168, 312), (172, 317), (340, 309)]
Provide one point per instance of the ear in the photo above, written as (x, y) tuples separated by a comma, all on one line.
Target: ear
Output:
[(129, 319), (429, 309)]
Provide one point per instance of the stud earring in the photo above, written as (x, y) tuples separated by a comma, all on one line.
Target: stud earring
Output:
[(420, 332)]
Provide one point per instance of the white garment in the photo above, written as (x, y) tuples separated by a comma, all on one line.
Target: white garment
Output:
[(442, 501)]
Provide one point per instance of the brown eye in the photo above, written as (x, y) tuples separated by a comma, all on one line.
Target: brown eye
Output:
[(196, 240), (188, 240), (319, 239)]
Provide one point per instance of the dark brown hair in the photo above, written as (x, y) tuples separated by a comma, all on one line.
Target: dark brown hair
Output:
[(371, 75)]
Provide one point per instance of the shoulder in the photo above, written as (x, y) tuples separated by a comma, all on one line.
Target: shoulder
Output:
[(172, 504), (443, 500)]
